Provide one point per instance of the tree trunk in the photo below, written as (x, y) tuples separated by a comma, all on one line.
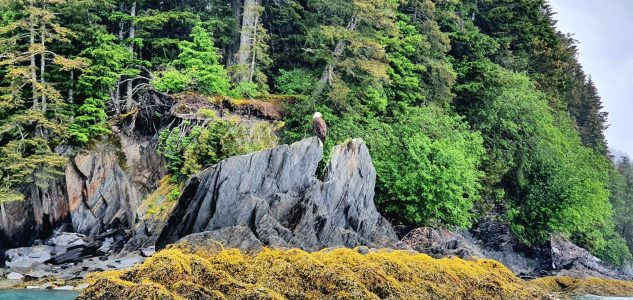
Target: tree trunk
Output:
[(33, 67), (251, 69), (130, 86), (248, 31), (43, 66), (3, 215), (326, 76), (70, 90), (231, 50), (117, 95)]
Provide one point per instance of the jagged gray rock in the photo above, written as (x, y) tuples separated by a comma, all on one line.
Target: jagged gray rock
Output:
[(100, 190), (231, 237), (27, 257), (571, 260), (276, 194)]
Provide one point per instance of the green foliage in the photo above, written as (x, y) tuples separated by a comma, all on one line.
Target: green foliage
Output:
[(96, 85), (197, 68), (246, 89), (621, 187), (26, 157), (189, 148), (553, 182), (428, 167), (171, 81), (90, 121), (295, 82), (614, 250)]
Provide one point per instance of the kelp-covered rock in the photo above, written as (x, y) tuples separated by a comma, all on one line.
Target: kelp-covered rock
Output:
[(193, 273), (276, 194), (568, 287)]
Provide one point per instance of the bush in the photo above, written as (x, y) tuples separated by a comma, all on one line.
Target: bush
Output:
[(553, 183), (295, 82), (246, 89), (189, 148), (427, 167), (171, 81)]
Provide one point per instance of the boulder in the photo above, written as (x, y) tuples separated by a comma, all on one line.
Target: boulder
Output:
[(276, 195), (564, 253), (231, 237), (64, 240), (106, 247), (27, 257), (573, 261), (15, 276), (76, 253), (441, 243)]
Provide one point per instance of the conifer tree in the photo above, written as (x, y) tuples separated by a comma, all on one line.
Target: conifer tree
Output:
[(347, 40), (32, 119)]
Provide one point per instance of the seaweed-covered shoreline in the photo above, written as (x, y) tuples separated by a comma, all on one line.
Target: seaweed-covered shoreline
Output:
[(185, 272)]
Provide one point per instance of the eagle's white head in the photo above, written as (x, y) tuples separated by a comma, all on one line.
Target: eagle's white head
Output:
[(317, 115)]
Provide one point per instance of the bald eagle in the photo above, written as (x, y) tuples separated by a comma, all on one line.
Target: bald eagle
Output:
[(319, 128)]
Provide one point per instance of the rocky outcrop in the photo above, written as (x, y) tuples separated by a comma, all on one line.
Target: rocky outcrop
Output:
[(43, 209), (492, 240), (573, 261), (99, 191), (442, 243), (276, 194), (495, 241)]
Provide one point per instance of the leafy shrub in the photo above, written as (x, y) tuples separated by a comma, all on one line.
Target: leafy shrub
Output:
[(246, 89), (295, 82), (171, 81), (189, 148), (428, 167), (553, 183)]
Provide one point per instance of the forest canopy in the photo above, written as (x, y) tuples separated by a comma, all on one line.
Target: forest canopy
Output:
[(472, 109)]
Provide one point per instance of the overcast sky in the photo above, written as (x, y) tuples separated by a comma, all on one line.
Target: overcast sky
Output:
[(604, 29)]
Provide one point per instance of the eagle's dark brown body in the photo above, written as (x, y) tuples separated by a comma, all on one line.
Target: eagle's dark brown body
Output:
[(319, 128)]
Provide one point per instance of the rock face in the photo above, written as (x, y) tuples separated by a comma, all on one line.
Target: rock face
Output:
[(100, 194), (441, 243), (100, 191), (276, 195)]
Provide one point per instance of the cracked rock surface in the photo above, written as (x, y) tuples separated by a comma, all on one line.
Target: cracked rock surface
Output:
[(276, 195)]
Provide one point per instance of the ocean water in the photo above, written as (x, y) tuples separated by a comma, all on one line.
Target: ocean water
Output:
[(37, 295)]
